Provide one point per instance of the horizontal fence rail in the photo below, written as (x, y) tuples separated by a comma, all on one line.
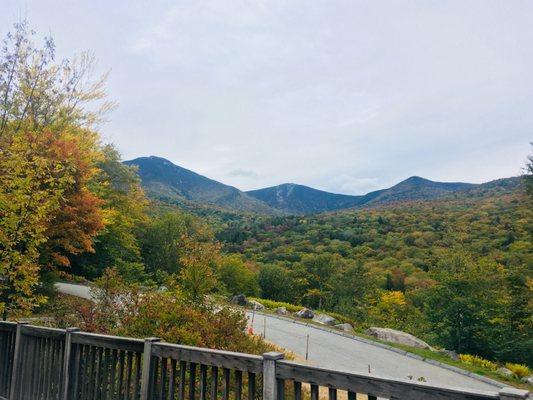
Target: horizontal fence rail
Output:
[(58, 364)]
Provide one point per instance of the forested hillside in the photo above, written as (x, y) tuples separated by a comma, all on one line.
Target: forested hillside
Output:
[(456, 272)]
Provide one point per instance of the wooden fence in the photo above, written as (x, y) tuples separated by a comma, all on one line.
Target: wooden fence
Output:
[(54, 364)]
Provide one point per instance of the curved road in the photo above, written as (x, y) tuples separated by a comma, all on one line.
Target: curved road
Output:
[(331, 350)]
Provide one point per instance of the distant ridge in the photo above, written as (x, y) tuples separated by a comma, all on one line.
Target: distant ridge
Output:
[(298, 199), (168, 182)]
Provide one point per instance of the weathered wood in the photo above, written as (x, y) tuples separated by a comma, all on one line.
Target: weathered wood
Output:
[(226, 384), (269, 375), (382, 387), (148, 364), (251, 386), (297, 390), (203, 382), (67, 362), (217, 358), (110, 342), (214, 383), (238, 385), (16, 362), (44, 363)]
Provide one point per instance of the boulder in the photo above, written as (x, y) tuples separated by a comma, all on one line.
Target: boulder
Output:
[(255, 305), (450, 353), (324, 319), (528, 380), (281, 311), (504, 372), (239, 299), (344, 327), (305, 313), (394, 336)]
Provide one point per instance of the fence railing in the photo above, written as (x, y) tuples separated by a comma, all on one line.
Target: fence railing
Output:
[(56, 364)]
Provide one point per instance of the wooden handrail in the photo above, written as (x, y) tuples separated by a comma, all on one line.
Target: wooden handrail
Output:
[(58, 364)]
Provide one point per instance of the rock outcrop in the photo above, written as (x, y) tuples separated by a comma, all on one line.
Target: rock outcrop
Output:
[(344, 327), (305, 313), (281, 311), (324, 319), (394, 336), (239, 299)]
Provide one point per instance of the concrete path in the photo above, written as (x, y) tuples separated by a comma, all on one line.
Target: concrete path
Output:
[(330, 350)]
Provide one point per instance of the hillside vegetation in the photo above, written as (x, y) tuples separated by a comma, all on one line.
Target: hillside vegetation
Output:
[(456, 272)]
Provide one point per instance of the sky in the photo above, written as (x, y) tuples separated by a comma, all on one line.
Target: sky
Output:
[(345, 96)]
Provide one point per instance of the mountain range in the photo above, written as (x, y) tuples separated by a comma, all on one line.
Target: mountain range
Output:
[(165, 181)]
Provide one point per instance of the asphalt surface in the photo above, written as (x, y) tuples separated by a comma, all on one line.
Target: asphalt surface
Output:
[(329, 350)]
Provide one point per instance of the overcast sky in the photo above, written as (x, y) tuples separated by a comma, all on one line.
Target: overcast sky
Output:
[(346, 96)]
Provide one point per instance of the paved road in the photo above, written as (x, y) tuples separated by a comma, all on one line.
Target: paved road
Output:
[(327, 349)]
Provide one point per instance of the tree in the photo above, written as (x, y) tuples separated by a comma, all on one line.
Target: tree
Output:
[(162, 240), (528, 177), (466, 306), (237, 276), (48, 156), (275, 282)]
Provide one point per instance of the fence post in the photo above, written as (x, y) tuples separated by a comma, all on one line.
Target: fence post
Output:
[(510, 393), (65, 379), (16, 360), (270, 389), (148, 364)]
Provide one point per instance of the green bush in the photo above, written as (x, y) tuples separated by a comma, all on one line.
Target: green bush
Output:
[(271, 304)]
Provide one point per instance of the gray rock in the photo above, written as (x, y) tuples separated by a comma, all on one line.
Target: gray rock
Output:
[(528, 379), (344, 327), (394, 336), (255, 305), (305, 313), (324, 319), (239, 299), (281, 311), (450, 353), (504, 372)]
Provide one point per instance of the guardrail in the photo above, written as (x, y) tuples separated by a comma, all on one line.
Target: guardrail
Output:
[(57, 364)]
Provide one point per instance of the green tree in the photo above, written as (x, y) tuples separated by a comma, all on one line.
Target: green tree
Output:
[(466, 306), (237, 276)]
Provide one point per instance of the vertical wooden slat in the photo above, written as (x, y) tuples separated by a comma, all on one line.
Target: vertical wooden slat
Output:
[(238, 385), (333, 394), (371, 397), (192, 381), (352, 396), (226, 384), (137, 380), (120, 390), (314, 392), (16, 362), (297, 390), (163, 382), (280, 387), (251, 386), (113, 381), (183, 375), (172, 380), (214, 383), (129, 360), (203, 382), (147, 373)]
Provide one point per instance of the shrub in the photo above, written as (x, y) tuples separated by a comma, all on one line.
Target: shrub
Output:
[(519, 370), (478, 362), (271, 304)]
